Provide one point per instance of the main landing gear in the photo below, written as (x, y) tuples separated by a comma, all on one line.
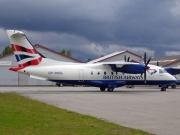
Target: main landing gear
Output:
[(173, 86), (102, 88), (163, 89), (110, 89)]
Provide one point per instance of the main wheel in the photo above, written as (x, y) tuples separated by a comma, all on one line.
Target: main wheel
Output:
[(163, 89), (173, 86), (110, 89), (102, 88)]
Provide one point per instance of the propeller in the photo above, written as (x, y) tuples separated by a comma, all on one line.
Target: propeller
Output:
[(146, 62), (146, 66), (126, 60), (157, 63)]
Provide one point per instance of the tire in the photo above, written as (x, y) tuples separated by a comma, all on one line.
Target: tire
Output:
[(58, 84), (110, 89), (163, 89), (173, 86), (102, 88)]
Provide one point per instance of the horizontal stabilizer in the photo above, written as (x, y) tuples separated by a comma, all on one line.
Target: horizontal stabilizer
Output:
[(15, 68)]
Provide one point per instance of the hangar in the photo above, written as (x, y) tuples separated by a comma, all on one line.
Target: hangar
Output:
[(9, 78), (167, 61), (119, 56)]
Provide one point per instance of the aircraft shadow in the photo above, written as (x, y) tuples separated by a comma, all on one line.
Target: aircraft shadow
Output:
[(89, 92)]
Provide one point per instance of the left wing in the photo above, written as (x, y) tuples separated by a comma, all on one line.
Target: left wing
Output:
[(126, 67)]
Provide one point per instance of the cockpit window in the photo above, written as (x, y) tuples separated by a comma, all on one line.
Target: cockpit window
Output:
[(164, 71), (161, 71)]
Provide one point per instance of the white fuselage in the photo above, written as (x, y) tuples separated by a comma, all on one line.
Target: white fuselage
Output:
[(66, 73)]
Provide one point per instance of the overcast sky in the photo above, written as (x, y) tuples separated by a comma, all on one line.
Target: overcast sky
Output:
[(91, 28)]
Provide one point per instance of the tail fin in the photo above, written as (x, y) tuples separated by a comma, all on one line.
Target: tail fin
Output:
[(25, 53)]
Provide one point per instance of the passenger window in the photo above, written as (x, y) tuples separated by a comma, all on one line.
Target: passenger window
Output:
[(91, 73), (112, 73), (104, 72), (98, 73)]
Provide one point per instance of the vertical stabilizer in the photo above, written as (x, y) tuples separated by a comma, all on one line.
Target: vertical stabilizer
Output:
[(25, 53)]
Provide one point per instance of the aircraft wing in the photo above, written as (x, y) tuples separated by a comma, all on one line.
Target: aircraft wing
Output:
[(126, 67), (173, 70)]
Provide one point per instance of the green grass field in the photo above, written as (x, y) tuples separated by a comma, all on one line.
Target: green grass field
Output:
[(22, 116)]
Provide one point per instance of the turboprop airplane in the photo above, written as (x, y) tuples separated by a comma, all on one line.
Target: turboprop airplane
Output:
[(107, 75)]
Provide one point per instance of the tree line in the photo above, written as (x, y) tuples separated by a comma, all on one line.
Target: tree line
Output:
[(8, 50)]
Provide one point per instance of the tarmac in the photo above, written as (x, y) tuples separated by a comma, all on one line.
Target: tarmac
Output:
[(145, 108)]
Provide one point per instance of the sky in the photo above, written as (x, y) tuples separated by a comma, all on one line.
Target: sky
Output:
[(91, 28)]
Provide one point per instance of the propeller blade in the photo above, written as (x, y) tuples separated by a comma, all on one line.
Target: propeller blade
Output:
[(128, 59), (148, 61), (157, 63), (145, 76), (145, 58), (125, 58)]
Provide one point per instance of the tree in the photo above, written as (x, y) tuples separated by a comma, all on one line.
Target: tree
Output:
[(89, 60), (101, 55), (68, 52), (63, 51), (7, 50)]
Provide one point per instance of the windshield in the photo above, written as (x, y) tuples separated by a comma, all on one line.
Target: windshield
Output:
[(162, 71)]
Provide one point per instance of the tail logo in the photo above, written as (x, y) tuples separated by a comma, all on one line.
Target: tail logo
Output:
[(25, 56)]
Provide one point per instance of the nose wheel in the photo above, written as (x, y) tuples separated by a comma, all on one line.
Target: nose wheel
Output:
[(163, 89), (173, 86), (110, 89)]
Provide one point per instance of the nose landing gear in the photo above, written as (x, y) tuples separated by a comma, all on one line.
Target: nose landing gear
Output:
[(110, 89)]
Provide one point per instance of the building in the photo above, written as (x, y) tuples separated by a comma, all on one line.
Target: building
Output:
[(167, 61), (10, 78), (119, 56)]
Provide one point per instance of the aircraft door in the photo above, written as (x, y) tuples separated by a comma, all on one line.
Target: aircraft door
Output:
[(81, 76)]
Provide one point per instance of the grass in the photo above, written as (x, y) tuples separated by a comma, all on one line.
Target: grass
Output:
[(22, 116)]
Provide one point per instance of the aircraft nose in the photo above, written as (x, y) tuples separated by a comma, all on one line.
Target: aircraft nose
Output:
[(172, 78)]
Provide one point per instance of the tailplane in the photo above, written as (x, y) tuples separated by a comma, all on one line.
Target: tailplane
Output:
[(25, 53)]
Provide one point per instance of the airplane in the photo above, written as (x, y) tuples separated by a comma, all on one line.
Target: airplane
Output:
[(106, 75)]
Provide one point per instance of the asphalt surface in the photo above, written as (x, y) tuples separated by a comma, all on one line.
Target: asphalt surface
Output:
[(143, 108)]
